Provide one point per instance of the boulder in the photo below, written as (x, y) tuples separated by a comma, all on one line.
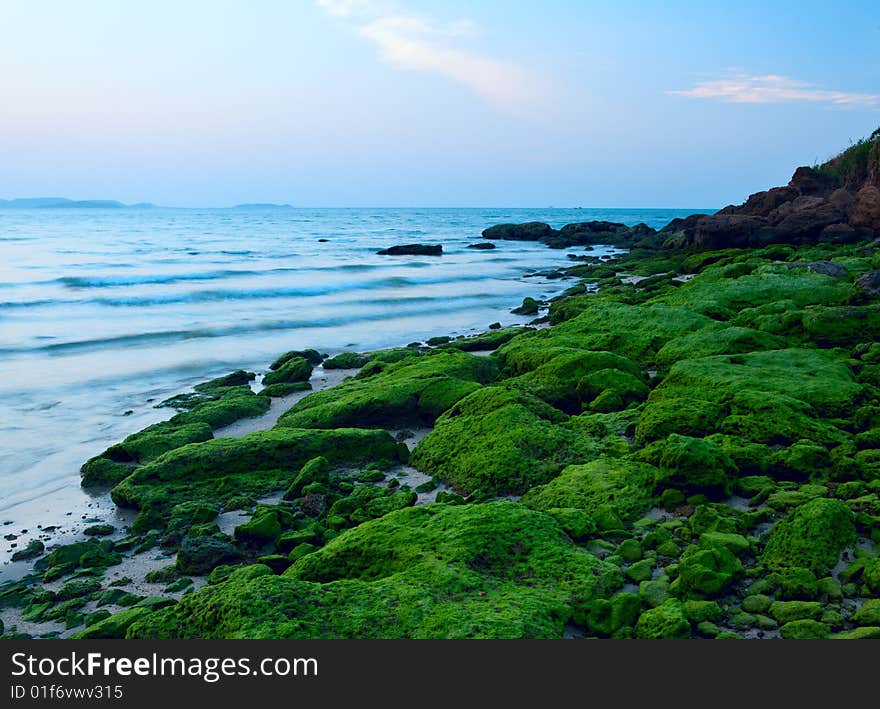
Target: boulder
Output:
[(530, 231), (809, 181), (866, 211), (869, 284), (482, 245)]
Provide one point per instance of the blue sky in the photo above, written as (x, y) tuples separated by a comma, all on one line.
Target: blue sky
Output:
[(418, 103)]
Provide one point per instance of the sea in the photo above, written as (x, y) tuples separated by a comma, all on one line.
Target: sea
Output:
[(106, 312)]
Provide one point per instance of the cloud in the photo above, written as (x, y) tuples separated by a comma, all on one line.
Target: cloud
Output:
[(771, 88), (421, 43)]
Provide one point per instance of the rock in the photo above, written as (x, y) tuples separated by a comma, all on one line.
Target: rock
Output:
[(805, 630), (346, 360), (826, 268), (114, 626), (723, 231), (866, 211), (313, 357), (869, 284), (482, 246), (34, 548), (99, 530), (666, 621), (786, 611), (808, 181), (530, 231), (812, 536), (707, 572), (199, 556), (761, 204), (529, 307), (295, 369), (413, 250)]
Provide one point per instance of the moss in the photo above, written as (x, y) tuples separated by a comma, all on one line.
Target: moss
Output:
[(313, 357), (811, 536), (411, 392), (295, 369), (867, 633), (634, 331), (640, 571), (228, 409), (623, 486), (707, 572), (608, 616), (701, 611), (869, 613), (685, 415), (735, 543), (282, 389), (498, 441), (112, 627), (576, 377), (257, 463), (201, 555), (99, 471), (666, 621), (722, 292), (316, 470), (804, 630), (843, 325), (711, 341), (529, 306), (693, 465), (490, 570), (346, 360), (487, 340), (756, 603)]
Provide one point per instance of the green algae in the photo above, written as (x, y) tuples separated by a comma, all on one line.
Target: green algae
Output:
[(488, 570), (412, 392)]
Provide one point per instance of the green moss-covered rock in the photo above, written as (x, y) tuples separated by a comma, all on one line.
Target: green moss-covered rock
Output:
[(712, 341), (667, 621), (313, 357), (317, 470), (787, 611), (811, 536), (200, 555), (260, 462), (623, 487), (346, 360), (499, 441), (573, 378), (414, 391), (114, 626), (295, 369), (693, 465), (607, 616), (236, 404), (489, 570), (805, 630), (707, 572)]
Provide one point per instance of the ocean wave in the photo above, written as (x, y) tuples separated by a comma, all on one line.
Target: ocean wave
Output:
[(207, 296), (173, 336)]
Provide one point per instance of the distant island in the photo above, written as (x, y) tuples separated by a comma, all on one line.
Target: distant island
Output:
[(64, 203), (262, 205)]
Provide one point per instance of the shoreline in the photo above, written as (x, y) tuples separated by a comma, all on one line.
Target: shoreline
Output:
[(686, 446)]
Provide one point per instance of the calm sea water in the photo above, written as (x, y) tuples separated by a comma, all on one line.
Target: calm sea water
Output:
[(105, 312)]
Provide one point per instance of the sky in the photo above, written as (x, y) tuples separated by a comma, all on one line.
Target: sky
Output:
[(427, 103)]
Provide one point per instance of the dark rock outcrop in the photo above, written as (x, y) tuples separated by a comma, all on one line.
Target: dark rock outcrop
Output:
[(413, 250), (578, 234), (482, 245)]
